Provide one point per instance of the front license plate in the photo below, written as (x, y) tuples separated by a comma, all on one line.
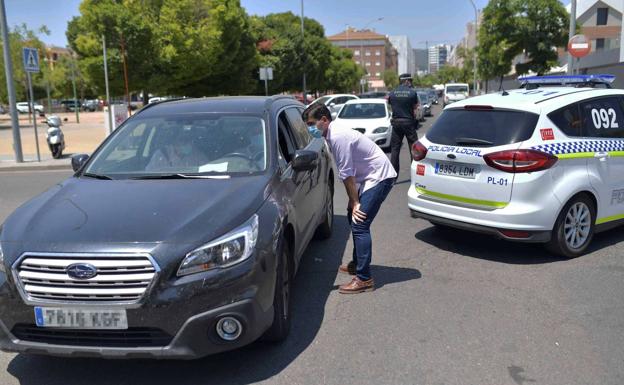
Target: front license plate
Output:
[(456, 169), (81, 318)]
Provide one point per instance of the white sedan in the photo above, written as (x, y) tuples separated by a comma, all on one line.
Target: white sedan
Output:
[(371, 117)]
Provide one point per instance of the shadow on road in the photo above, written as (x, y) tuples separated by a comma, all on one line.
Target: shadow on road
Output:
[(487, 247), (256, 362), (484, 246)]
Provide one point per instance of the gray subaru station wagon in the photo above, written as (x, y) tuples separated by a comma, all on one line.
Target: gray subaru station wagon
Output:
[(178, 238)]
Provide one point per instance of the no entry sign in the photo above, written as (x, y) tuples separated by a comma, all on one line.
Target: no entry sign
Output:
[(579, 46)]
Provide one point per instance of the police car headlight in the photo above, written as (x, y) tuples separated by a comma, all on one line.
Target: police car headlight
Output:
[(380, 130), (228, 250)]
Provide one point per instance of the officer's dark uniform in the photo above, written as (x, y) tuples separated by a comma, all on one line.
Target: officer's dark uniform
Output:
[(403, 100)]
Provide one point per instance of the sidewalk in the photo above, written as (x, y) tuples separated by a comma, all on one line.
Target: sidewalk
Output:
[(83, 137)]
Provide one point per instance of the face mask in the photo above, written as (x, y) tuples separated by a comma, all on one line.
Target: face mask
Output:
[(315, 132)]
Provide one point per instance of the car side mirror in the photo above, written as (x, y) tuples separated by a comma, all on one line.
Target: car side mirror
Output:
[(305, 160), (77, 161)]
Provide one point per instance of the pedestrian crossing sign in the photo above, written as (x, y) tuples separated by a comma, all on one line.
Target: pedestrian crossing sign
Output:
[(31, 59)]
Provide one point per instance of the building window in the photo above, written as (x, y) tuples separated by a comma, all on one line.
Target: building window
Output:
[(377, 53), (368, 64), (367, 53), (377, 64), (356, 52), (600, 44), (602, 16), (357, 62), (378, 74)]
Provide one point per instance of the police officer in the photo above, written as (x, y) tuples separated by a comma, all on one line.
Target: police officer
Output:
[(404, 101)]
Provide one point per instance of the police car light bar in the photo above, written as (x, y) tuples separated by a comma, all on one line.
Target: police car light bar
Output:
[(567, 79)]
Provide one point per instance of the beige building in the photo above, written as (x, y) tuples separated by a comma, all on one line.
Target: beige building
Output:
[(371, 50)]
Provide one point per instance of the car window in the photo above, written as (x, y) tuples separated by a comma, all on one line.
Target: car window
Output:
[(286, 141), (341, 100), (568, 120), (363, 111), (491, 127), (184, 143), (299, 129), (603, 117)]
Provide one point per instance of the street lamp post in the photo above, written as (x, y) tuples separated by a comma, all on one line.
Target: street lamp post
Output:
[(305, 99), (474, 50), (362, 47)]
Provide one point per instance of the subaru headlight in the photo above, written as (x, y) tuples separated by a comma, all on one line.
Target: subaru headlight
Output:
[(380, 130), (228, 250)]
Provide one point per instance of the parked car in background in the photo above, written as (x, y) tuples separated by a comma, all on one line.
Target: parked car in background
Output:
[(455, 92), (178, 238), (70, 105), (91, 105), (433, 95), (156, 99), (335, 102), (23, 107), (371, 117)]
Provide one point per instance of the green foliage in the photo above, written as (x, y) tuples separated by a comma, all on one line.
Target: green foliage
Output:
[(342, 75), (185, 47), (512, 27), (391, 79)]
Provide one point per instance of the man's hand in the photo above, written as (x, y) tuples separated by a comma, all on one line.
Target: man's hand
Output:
[(357, 215)]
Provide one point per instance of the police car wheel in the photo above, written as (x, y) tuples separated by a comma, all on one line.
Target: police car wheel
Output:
[(574, 228)]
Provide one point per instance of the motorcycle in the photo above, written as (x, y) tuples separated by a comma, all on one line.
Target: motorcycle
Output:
[(55, 137)]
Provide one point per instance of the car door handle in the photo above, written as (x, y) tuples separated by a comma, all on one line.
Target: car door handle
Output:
[(601, 155)]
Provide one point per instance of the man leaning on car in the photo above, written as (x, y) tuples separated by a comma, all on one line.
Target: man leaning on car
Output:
[(368, 177)]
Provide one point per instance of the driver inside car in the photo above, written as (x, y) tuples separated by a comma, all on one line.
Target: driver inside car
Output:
[(181, 155)]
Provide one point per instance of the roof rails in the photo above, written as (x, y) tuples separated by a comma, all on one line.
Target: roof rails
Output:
[(533, 82)]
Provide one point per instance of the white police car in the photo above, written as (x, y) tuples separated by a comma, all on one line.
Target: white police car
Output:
[(544, 163)]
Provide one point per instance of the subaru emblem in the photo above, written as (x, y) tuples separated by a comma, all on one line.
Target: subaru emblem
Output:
[(81, 271)]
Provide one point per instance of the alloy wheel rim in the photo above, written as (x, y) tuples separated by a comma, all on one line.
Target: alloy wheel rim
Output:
[(577, 225)]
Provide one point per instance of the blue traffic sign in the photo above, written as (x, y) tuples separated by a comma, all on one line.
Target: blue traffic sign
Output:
[(31, 59)]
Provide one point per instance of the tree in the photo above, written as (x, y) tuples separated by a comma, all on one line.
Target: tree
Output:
[(184, 47), (451, 74), (499, 38), (342, 75), (543, 27), (390, 78)]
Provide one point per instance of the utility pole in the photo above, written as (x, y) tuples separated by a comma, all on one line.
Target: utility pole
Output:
[(108, 102), (474, 51), (305, 99), (8, 70), (571, 33)]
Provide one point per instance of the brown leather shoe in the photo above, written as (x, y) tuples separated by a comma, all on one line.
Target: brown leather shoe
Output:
[(357, 286), (349, 268)]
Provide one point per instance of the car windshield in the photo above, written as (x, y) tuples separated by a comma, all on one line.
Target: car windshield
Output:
[(183, 144), (363, 111), (423, 97), (456, 89)]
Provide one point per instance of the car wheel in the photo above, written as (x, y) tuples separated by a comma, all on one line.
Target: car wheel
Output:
[(281, 299), (324, 231), (574, 228)]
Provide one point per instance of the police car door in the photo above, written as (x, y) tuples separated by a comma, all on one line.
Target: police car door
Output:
[(603, 123)]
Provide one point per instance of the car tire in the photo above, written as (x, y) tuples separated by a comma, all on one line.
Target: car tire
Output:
[(279, 330), (325, 229), (578, 214)]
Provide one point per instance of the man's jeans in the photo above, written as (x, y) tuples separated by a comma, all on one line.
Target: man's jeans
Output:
[(370, 202)]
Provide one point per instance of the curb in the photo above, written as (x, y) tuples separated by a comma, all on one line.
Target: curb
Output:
[(51, 167)]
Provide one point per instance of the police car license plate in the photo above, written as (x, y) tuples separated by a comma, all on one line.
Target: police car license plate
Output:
[(459, 170), (81, 318)]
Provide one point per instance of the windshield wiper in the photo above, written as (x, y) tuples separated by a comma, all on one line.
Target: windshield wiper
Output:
[(97, 176), (180, 176), (462, 141)]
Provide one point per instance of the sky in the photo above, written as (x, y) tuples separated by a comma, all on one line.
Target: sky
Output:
[(436, 21)]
